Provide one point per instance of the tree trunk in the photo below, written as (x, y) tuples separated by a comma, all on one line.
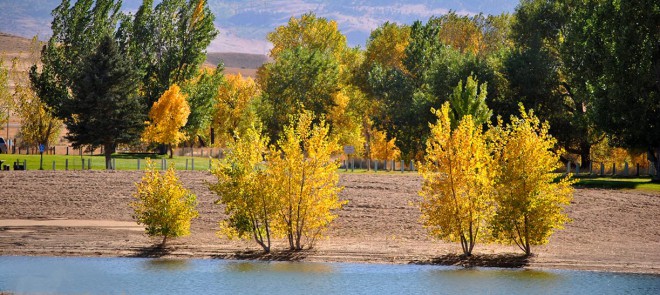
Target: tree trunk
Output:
[(171, 150), (162, 244), (585, 155), (108, 150), (654, 156)]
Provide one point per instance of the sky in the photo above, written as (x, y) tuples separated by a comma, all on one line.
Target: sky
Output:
[(243, 24)]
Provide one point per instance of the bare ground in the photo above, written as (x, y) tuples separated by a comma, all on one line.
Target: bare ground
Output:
[(86, 213)]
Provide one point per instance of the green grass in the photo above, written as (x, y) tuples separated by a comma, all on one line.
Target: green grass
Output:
[(644, 184), (122, 161)]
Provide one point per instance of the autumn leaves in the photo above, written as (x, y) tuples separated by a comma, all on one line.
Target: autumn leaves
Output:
[(492, 186)]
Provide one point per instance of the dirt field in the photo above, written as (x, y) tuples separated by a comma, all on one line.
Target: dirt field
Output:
[(86, 213)]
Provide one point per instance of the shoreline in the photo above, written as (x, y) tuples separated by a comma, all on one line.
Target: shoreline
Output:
[(612, 231)]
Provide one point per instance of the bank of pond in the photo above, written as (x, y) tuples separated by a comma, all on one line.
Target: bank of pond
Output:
[(84, 275)]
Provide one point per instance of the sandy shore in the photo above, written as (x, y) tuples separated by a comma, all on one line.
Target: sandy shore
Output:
[(86, 213)]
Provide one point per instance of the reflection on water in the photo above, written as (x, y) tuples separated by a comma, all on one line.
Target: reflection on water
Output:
[(278, 267), (30, 275), (166, 264)]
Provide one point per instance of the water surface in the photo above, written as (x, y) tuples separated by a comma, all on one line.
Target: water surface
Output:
[(60, 275)]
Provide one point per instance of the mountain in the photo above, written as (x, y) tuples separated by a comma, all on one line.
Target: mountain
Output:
[(244, 24)]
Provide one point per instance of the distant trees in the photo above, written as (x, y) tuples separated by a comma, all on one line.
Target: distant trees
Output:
[(163, 205), (166, 118)]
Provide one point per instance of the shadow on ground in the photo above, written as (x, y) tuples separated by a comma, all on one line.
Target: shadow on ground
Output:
[(484, 260), (155, 251)]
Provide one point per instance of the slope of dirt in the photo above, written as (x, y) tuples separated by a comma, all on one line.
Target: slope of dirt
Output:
[(611, 230)]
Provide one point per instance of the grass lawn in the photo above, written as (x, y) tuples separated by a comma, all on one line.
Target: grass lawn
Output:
[(644, 184), (122, 161)]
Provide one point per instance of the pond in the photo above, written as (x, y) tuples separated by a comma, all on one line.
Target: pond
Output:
[(67, 275)]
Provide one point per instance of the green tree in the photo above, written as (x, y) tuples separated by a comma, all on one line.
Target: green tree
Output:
[(469, 101), (77, 32), (299, 79), (530, 203), (104, 109), (167, 42), (613, 50), (202, 94), (163, 205), (249, 201)]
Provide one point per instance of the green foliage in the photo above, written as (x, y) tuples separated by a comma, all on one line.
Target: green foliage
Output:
[(104, 108), (202, 95), (163, 205), (467, 101), (77, 31), (167, 42), (300, 78)]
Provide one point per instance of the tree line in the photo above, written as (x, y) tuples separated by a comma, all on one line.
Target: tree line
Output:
[(589, 68)]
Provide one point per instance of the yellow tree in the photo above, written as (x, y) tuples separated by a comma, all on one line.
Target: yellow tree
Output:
[(248, 201), (309, 32), (167, 116), (381, 148), (233, 113), (387, 45), (458, 181), (304, 180), (38, 124), (5, 95), (530, 203), (163, 205)]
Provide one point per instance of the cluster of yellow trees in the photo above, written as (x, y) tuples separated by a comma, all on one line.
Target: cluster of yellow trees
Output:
[(285, 191), (493, 185)]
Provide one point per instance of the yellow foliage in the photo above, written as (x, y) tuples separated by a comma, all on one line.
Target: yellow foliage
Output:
[(530, 205), (163, 205), (38, 124), (233, 113), (248, 201), (603, 152), (381, 148), (458, 181), (345, 121), (304, 181), (388, 45), (308, 31), (167, 116)]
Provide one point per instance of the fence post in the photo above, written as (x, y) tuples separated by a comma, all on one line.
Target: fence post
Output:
[(138, 164), (637, 173), (412, 165), (346, 165), (210, 161), (114, 164), (83, 164), (67, 150), (186, 164), (602, 169), (402, 166), (192, 164), (625, 169), (613, 169), (89, 164), (53, 165), (25, 164), (376, 166), (591, 167), (568, 167), (577, 169), (353, 164), (66, 164)]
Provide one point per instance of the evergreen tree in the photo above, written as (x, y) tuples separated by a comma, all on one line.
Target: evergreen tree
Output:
[(104, 109)]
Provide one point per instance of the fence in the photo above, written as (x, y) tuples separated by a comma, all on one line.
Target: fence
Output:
[(612, 169)]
